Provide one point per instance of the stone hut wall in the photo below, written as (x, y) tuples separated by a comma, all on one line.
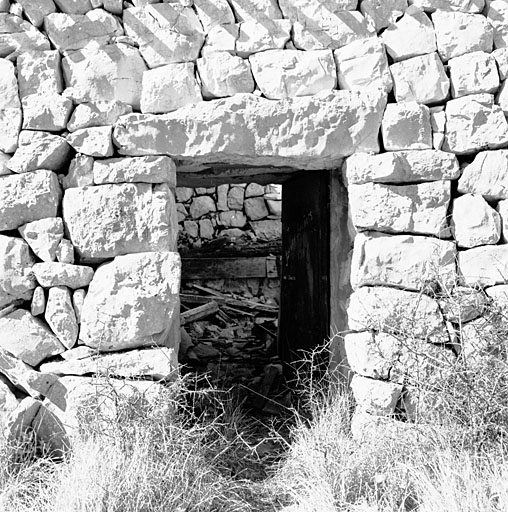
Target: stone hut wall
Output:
[(102, 102)]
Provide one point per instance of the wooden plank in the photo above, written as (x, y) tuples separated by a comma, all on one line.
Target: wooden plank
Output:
[(226, 268), (189, 298), (198, 313), (271, 267), (224, 247)]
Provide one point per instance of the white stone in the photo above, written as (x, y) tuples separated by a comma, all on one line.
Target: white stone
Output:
[(8, 402), (65, 252), (463, 304), (410, 36), (9, 97), (458, 33), (502, 98), (43, 236), (99, 113), (484, 266), (221, 38), (19, 422), (438, 119), (419, 209), (61, 317), (223, 74), (107, 73), (28, 197), (254, 190), (18, 35), (502, 208), (214, 13), (363, 64), (383, 13), (53, 273), (39, 73), (375, 396), (38, 305), (136, 298), (497, 15), (74, 6), (206, 229), (166, 33), (127, 218), (267, 229), (232, 219), (4, 159), (470, 6), (422, 79), (184, 194), (47, 113), (78, 352), (168, 88), (404, 261), (236, 196), (78, 299), (406, 126), (255, 208), (257, 10), (475, 222), (473, 123), (473, 73), (80, 173), (201, 205), (95, 141), (274, 207), (35, 10), (10, 125), (256, 37), (501, 56)]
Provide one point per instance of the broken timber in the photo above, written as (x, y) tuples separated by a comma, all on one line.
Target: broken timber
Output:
[(227, 268)]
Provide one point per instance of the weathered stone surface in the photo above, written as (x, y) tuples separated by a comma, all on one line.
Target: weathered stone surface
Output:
[(242, 133), (497, 15), (232, 219), (8, 86), (8, 402), (261, 10), (105, 73), (375, 396), (94, 141), (256, 37), (99, 113), (221, 38), (501, 56), (401, 167), (403, 261), (383, 13), (502, 97), (28, 197), (75, 31), (53, 273), (406, 126), (35, 10), (255, 208), (267, 229), (16, 262), (47, 113), (19, 422), (4, 158), (420, 209), (144, 169), (43, 236), (286, 73), (254, 190), (145, 289), (166, 33), (39, 73), (38, 305), (78, 352), (474, 123), (169, 87), (201, 205), (74, 6), (410, 36), (17, 35), (502, 208), (475, 222), (470, 6), (78, 299), (363, 64), (212, 13), (80, 172), (127, 218), (484, 266), (28, 338), (39, 150), (10, 125), (236, 196), (458, 33), (61, 317), (463, 304), (223, 74), (473, 73)]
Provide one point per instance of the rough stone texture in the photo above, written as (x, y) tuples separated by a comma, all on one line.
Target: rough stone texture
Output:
[(4, 159), (419, 209), (406, 126), (10, 124), (261, 10), (145, 289), (362, 65), (212, 13), (287, 73), (383, 13), (53, 273), (144, 169), (502, 97), (256, 37), (404, 261), (470, 6), (8, 86), (255, 208), (80, 173), (475, 222), (38, 305), (127, 218), (105, 73), (458, 33), (78, 299), (28, 197), (43, 236), (168, 88), (375, 396), (484, 266), (61, 317), (166, 33), (501, 56), (27, 338), (497, 15), (474, 123), (346, 121), (19, 422), (18, 35), (221, 38), (94, 141), (99, 113), (463, 304), (35, 10), (47, 113), (74, 6), (201, 206), (223, 74), (16, 261)]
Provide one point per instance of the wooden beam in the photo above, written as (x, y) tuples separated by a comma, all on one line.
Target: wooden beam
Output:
[(228, 268), (198, 313)]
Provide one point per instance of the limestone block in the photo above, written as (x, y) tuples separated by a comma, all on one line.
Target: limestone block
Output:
[(19, 422), (375, 396), (363, 64), (35, 10), (267, 229), (411, 35), (398, 312), (419, 209), (473, 123), (401, 167), (80, 172), (475, 222), (95, 141), (470, 6), (10, 125), (484, 266), (39, 73), (236, 197), (145, 288), (8, 401), (497, 15), (458, 33), (43, 236), (223, 74), (285, 73), (221, 38), (18, 35), (46, 112), (463, 304), (274, 207), (422, 79), (406, 126), (28, 338), (166, 33), (255, 208), (155, 363), (256, 37), (257, 10), (105, 73), (74, 6), (4, 5), (53, 273), (238, 129), (28, 197), (502, 209), (438, 119), (232, 219), (8, 86), (65, 251), (201, 205), (38, 305), (16, 261), (191, 228), (184, 194), (168, 88), (254, 190), (78, 299), (143, 169), (212, 13), (61, 317), (40, 150), (4, 158), (473, 73), (383, 13), (127, 218), (502, 98), (75, 31), (222, 197), (501, 56), (405, 261), (99, 113)]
